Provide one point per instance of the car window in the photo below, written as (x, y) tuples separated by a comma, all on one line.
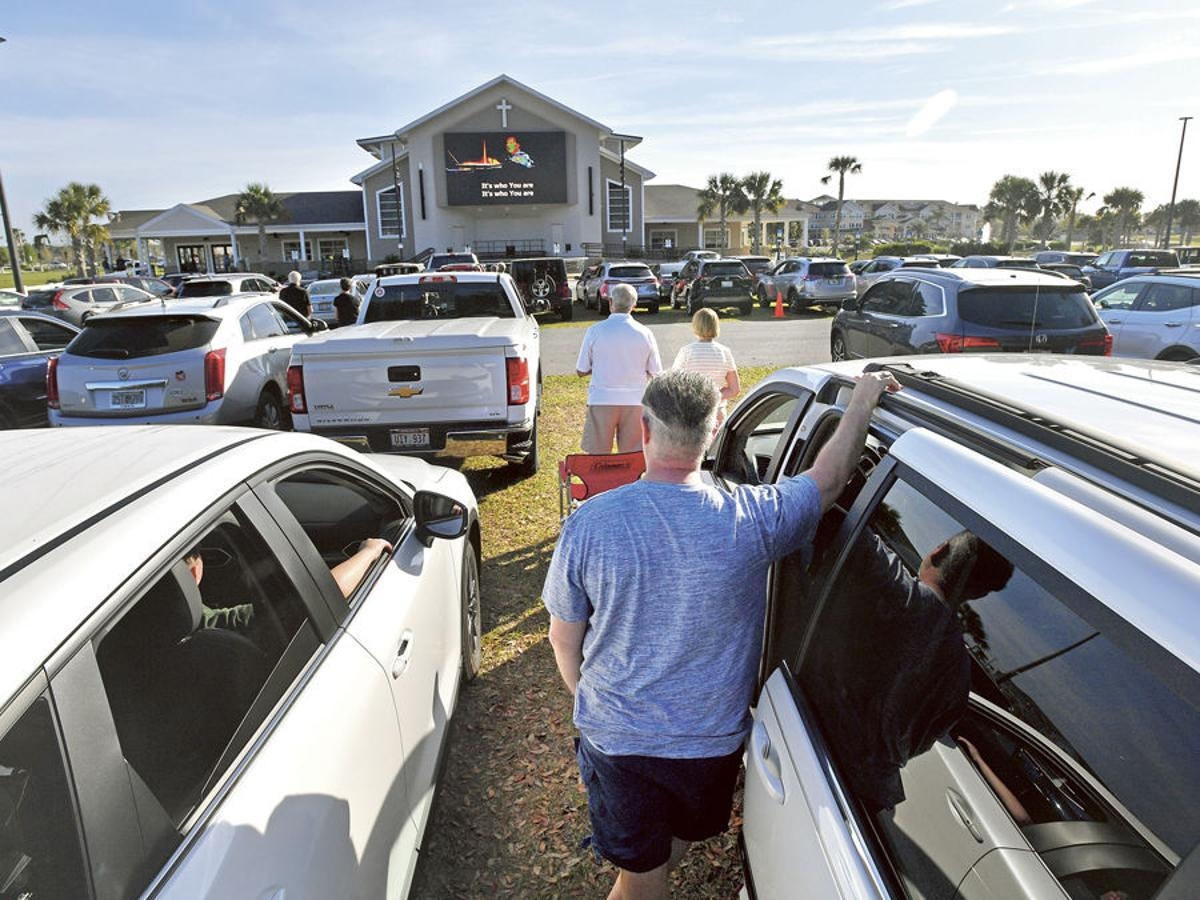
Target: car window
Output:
[(293, 322), (724, 269), (40, 855), (753, 442), (47, 335), (929, 300), (104, 295), (264, 322), (129, 294), (185, 666), (439, 299), (1026, 308), (889, 297), (10, 341), (131, 338), (630, 272), (1121, 295), (1152, 258), (191, 289), (1167, 297), (828, 270), (338, 510), (1103, 260), (923, 610)]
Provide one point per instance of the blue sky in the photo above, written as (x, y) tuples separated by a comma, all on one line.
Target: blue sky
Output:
[(186, 99)]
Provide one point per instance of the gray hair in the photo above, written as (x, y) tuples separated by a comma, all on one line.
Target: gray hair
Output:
[(681, 409), (622, 298), (295, 278)]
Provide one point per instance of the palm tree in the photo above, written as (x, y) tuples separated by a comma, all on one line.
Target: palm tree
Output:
[(1125, 203), (723, 194), (1013, 200), (258, 204), (840, 165), (1188, 213), (1074, 194), (1052, 190), (765, 195), (1156, 219), (72, 212)]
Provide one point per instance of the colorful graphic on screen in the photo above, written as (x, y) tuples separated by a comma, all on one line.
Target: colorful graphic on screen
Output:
[(505, 167)]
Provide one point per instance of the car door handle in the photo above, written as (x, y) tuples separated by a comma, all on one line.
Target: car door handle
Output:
[(892, 324), (764, 764), (1173, 324), (963, 810), (1114, 321), (403, 655)]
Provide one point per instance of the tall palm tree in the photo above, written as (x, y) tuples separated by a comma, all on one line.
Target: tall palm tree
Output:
[(724, 194), (765, 195), (258, 204), (72, 212), (1013, 200), (839, 166), (1052, 190), (1074, 194), (1187, 213), (1125, 202)]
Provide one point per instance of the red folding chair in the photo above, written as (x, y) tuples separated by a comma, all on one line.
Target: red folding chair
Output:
[(583, 475)]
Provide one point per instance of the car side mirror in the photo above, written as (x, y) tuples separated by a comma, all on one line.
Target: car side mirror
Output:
[(438, 516), (319, 325), (1103, 304)]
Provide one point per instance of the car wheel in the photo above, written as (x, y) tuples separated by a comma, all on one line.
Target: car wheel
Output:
[(652, 308), (1177, 356), (269, 413), (746, 309), (85, 317), (837, 347), (472, 616), (566, 312), (529, 465), (793, 301), (763, 300)]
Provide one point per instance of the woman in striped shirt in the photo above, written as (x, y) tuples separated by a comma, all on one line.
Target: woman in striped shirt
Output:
[(707, 357)]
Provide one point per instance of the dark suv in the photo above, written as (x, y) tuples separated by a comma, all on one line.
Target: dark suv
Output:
[(542, 284), (1117, 264), (714, 283), (969, 310)]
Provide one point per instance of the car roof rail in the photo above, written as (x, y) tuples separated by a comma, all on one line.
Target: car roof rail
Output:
[(1149, 475)]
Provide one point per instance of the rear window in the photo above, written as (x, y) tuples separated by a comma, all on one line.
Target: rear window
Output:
[(1024, 308), (39, 299), (713, 270), (630, 272), (130, 338), (329, 286), (828, 269), (439, 300), (205, 289), (449, 259), (1152, 258), (1015, 264)]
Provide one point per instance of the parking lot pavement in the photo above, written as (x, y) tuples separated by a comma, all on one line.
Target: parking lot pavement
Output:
[(759, 341)]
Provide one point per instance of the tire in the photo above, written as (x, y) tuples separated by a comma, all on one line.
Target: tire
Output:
[(528, 467), (1177, 356), (269, 413), (566, 312), (652, 309), (472, 616), (763, 300), (793, 301), (87, 315), (746, 309), (837, 347)]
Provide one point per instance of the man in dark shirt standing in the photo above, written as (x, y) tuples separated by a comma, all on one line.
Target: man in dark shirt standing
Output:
[(295, 296), (346, 304)]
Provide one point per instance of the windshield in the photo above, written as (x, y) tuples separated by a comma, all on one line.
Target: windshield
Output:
[(630, 272), (439, 300), (329, 286), (205, 289), (1046, 309), (130, 338), (723, 269)]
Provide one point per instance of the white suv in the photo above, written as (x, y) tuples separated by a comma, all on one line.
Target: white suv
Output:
[(210, 361), (983, 680)]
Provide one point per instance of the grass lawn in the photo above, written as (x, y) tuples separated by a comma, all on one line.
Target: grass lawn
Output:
[(511, 811), (33, 279)]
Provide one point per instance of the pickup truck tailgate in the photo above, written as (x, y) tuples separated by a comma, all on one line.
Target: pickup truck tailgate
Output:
[(380, 373)]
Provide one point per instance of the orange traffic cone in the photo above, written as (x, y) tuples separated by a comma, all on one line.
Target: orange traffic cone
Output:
[(778, 303)]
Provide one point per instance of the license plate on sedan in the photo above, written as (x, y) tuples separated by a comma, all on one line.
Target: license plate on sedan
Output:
[(127, 399), (410, 438), (726, 284), (835, 281)]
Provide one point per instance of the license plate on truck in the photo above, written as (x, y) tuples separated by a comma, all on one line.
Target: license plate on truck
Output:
[(410, 438), (127, 399)]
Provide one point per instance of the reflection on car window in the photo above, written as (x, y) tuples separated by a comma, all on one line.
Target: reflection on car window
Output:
[(439, 300), (1168, 297), (39, 846), (48, 335), (10, 341), (264, 321), (755, 439)]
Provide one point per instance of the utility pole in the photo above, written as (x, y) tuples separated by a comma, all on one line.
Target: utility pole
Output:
[(8, 234), (1175, 186)]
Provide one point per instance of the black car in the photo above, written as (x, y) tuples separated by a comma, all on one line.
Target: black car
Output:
[(715, 283), (27, 341), (542, 284), (963, 311)]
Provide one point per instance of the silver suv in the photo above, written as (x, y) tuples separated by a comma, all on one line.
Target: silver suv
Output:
[(1153, 316), (76, 303), (212, 361), (227, 284), (805, 281), (981, 679)]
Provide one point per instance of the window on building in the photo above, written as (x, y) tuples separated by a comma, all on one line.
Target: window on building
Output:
[(661, 240), (390, 208), (716, 238), (619, 207), (293, 247), (327, 247)]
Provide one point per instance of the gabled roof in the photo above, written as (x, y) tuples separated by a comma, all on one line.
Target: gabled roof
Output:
[(301, 208)]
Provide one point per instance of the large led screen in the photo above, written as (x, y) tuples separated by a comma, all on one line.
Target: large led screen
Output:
[(505, 167)]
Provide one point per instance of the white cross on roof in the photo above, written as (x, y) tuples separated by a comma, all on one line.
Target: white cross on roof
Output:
[(504, 106)]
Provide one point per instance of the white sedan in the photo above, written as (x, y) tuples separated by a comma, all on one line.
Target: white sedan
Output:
[(231, 658)]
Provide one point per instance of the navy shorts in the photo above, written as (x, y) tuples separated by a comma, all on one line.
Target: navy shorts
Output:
[(637, 804)]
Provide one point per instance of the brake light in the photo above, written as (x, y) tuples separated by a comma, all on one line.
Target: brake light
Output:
[(518, 381), (214, 374), (295, 388), (1105, 343), (52, 382), (433, 279), (58, 302), (958, 343), (564, 290), (604, 289)]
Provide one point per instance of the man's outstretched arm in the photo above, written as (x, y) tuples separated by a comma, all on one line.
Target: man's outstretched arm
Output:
[(836, 461), (567, 640)]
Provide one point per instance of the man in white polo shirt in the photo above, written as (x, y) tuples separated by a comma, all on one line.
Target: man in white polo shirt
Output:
[(621, 356)]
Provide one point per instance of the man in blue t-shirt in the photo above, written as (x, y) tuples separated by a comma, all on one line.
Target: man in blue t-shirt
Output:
[(656, 595)]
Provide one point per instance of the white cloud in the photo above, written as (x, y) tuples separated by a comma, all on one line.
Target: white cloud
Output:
[(933, 110), (890, 5), (1138, 60)]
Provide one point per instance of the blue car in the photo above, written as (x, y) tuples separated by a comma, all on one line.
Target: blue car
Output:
[(1113, 266), (27, 341)]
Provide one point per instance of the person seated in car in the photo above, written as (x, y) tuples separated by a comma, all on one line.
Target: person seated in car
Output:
[(240, 616), (905, 680)]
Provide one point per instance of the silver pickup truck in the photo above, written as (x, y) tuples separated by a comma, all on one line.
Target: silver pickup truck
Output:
[(441, 365)]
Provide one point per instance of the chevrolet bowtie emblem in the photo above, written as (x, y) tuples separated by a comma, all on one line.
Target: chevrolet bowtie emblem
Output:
[(405, 392)]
